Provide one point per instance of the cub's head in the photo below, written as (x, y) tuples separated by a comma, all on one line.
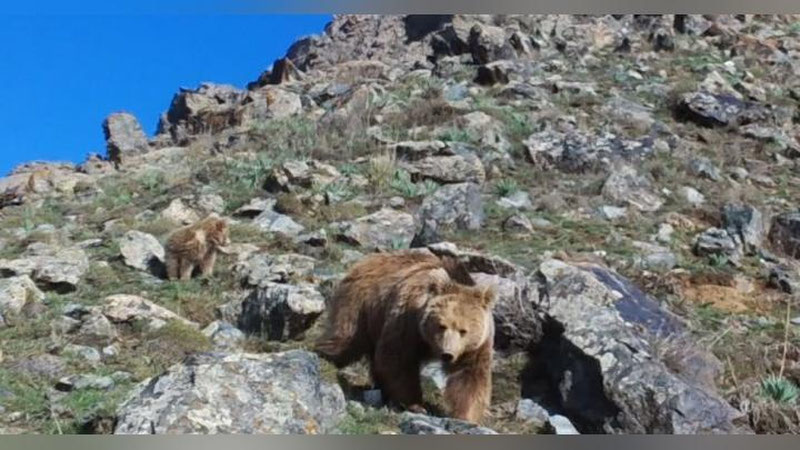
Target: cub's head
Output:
[(457, 319), (217, 231)]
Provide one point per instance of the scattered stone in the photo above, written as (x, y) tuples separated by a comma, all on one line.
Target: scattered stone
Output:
[(90, 354), (383, 229), (16, 293), (178, 212), (412, 423), (654, 257), (518, 224), (52, 268), (130, 308), (274, 393), (45, 365), (223, 335), (691, 196), (530, 412), (704, 168), (80, 382), (281, 311), (517, 200), (609, 212), (141, 251), (625, 185), (262, 269), (715, 241), (255, 207), (562, 425), (785, 233), (454, 205), (274, 222), (785, 278), (710, 110), (745, 225)]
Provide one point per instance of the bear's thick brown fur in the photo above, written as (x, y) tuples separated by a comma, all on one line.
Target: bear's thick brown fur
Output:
[(196, 245), (404, 308)]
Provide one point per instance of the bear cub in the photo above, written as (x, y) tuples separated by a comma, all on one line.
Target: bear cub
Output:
[(196, 245), (404, 308)]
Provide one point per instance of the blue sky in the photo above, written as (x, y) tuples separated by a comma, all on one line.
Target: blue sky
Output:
[(62, 75)]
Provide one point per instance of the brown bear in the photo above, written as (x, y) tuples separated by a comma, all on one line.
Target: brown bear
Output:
[(404, 308), (196, 245)]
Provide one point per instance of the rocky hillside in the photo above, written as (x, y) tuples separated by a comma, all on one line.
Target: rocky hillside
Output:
[(631, 184)]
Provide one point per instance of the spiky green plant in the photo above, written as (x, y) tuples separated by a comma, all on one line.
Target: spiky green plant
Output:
[(505, 187), (779, 389)]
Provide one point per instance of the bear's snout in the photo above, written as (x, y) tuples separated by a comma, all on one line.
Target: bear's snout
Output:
[(448, 357)]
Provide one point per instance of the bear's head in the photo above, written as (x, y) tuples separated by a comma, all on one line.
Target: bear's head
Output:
[(457, 319), (217, 231)]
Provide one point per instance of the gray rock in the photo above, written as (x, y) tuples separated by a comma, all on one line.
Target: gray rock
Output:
[(412, 423), (785, 233), (90, 354), (795, 321), (51, 267), (785, 277), (383, 229), (96, 328), (691, 196), (124, 136), (518, 224), (276, 393), (517, 200), (281, 311), (223, 335), (180, 213), (45, 365), (745, 225), (655, 257), (123, 308), (262, 269), (577, 152), (625, 185), (449, 169), (715, 241), (373, 398), (211, 203), (710, 110), (609, 212), (455, 205), (604, 370), (562, 425), (274, 222), (255, 207), (16, 293), (141, 251), (704, 168), (80, 382), (532, 413)]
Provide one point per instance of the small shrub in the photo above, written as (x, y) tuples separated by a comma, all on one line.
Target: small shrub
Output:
[(505, 187), (381, 170), (779, 389)]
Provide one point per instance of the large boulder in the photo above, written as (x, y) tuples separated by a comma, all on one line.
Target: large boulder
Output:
[(383, 229), (281, 311), (277, 393), (124, 136), (131, 309), (625, 185), (141, 251), (745, 225), (51, 267), (16, 293), (455, 205), (785, 233), (599, 360)]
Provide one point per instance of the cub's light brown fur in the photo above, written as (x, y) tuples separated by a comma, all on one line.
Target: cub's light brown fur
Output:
[(403, 308), (196, 245)]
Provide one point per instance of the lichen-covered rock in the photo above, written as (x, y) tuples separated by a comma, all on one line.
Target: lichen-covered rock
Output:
[(383, 229), (412, 423), (130, 309), (51, 267), (745, 225), (16, 293), (716, 242), (141, 251), (598, 353), (262, 269), (124, 136), (625, 185), (281, 311), (455, 205), (785, 233), (275, 393)]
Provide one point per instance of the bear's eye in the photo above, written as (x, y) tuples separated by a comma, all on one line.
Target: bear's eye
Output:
[(462, 332), (442, 327)]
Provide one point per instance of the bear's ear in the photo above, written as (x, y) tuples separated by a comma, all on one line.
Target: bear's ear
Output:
[(438, 282), (488, 295)]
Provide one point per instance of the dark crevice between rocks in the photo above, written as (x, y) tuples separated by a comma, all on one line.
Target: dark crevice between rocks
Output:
[(564, 380)]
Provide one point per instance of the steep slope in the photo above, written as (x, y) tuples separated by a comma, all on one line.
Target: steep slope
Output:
[(629, 182)]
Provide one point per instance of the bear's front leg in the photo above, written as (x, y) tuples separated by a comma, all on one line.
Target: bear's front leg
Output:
[(469, 385), (396, 367)]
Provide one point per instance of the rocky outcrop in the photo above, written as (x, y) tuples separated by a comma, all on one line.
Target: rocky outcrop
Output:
[(278, 393), (124, 137)]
